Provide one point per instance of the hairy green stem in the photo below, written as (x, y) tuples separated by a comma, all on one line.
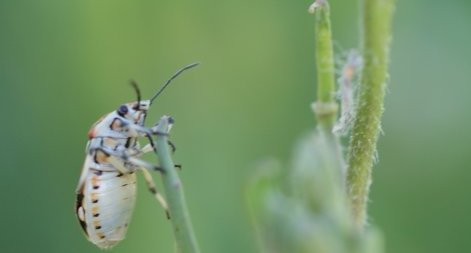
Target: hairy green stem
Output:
[(179, 215), (376, 24), (325, 106)]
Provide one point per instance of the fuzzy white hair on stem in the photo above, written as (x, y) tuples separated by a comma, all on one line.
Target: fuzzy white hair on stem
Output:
[(346, 94)]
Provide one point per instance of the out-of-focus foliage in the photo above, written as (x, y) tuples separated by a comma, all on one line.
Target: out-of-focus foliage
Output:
[(65, 63), (304, 208)]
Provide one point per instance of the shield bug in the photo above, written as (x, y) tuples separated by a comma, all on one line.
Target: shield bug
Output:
[(106, 192)]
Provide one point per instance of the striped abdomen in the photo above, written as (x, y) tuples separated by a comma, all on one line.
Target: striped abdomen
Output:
[(105, 205)]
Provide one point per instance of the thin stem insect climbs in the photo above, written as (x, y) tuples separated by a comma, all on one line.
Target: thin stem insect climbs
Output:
[(180, 217)]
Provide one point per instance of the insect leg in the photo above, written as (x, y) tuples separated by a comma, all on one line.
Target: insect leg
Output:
[(153, 190), (178, 166), (119, 164), (146, 149), (151, 147), (172, 146), (135, 129), (155, 132), (141, 163), (137, 151), (115, 158), (119, 158)]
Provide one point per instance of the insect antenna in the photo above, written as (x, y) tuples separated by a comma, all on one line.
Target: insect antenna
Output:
[(138, 93), (171, 78)]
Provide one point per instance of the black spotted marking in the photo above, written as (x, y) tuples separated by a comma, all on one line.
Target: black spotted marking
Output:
[(78, 200), (95, 201), (160, 169), (95, 157), (96, 214), (78, 205), (128, 142), (97, 172), (124, 185), (98, 227), (114, 121), (102, 236), (96, 187), (153, 190), (120, 175), (172, 146)]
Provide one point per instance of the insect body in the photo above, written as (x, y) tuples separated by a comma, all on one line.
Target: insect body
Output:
[(106, 190)]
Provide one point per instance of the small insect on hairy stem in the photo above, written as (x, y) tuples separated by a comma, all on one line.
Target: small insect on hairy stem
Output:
[(106, 190), (347, 82)]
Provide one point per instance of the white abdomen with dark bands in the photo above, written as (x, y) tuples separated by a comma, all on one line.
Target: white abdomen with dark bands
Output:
[(108, 203)]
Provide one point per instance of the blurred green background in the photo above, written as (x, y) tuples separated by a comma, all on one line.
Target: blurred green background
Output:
[(63, 64)]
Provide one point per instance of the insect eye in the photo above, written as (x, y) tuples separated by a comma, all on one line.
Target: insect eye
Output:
[(122, 110)]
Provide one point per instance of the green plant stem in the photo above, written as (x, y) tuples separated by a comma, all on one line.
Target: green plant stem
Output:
[(376, 24), (179, 215), (325, 106)]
